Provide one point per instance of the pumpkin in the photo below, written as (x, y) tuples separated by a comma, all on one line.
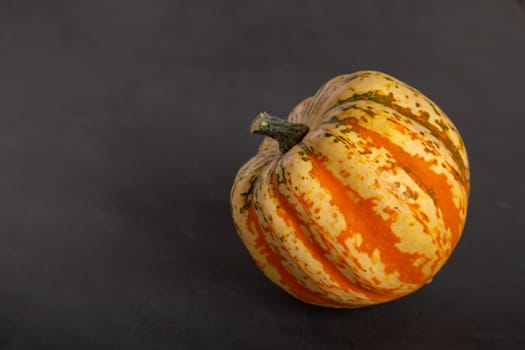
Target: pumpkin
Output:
[(358, 198)]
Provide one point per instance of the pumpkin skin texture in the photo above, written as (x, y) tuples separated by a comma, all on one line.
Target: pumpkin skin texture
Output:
[(367, 206)]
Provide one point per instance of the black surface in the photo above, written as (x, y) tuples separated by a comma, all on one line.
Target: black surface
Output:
[(123, 123)]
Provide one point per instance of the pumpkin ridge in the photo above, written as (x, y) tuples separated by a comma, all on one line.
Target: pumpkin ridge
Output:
[(418, 169), (289, 246), (423, 119), (324, 239), (362, 218), (290, 214), (265, 205), (412, 190), (429, 147), (275, 259)]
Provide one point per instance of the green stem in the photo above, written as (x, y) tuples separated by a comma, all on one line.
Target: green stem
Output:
[(285, 133)]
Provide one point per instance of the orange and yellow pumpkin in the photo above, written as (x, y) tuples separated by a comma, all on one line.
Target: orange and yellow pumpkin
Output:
[(359, 197)]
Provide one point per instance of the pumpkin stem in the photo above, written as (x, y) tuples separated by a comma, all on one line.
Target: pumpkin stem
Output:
[(285, 133)]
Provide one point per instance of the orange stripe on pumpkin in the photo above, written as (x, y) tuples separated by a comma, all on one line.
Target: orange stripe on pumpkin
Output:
[(292, 217), (362, 218), (423, 118), (420, 171), (275, 259)]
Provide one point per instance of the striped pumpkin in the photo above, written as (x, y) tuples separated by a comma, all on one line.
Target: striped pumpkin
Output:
[(358, 198)]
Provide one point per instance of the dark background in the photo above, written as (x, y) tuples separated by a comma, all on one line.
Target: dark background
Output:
[(123, 123)]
